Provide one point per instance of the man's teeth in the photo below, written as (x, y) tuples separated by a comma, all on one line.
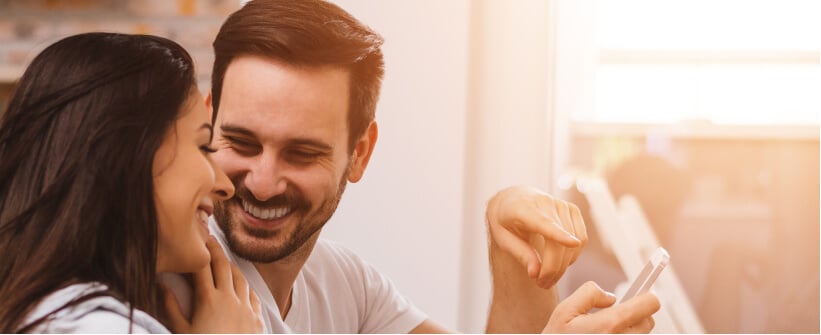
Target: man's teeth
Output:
[(265, 214)]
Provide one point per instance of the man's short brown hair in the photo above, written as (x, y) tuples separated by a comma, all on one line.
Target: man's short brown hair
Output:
[(306, 33)]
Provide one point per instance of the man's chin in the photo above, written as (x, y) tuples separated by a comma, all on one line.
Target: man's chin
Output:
[(257, 245)]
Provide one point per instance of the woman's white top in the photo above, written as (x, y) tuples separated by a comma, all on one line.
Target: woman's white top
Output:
[(102, 314)]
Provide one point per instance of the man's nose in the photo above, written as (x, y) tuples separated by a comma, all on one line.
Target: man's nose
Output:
[(264, 180)]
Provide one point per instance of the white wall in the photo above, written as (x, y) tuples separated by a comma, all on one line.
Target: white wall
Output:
[(463, 113), (509, 141), (405, 215)]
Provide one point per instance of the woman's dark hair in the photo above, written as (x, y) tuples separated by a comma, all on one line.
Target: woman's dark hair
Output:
[(77, 147), (311, 33)]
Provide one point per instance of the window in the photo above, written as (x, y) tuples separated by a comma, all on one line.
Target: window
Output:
[(732, 62), (707, 112)]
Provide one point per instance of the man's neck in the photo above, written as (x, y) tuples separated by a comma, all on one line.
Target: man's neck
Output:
[(281, 275)]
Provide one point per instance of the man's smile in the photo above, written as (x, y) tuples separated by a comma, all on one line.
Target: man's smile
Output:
[(262, 213)]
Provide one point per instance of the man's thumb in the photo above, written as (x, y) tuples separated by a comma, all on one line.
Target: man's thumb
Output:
[(589, 296)]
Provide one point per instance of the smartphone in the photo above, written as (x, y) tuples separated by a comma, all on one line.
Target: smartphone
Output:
[(648, 275)]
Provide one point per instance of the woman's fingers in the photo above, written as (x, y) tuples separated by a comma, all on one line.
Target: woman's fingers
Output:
[(226, 303), (240, 284), (255, 304), (203, 278), (220, 266)]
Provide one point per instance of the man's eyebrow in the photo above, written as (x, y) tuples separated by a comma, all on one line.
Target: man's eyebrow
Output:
[(227, 128), (242, 131), (322, 146)]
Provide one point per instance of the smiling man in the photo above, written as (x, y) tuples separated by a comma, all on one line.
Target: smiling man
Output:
[(296, 84)]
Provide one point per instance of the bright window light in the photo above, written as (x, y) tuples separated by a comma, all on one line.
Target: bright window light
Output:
[(719, 61)]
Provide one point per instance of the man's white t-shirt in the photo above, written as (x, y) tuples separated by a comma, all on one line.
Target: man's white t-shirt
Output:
[(335, 292)]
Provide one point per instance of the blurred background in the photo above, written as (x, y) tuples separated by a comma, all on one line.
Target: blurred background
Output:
[(704, 112)]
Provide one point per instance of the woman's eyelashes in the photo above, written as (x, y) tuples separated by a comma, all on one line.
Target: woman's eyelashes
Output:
[(208, 149)]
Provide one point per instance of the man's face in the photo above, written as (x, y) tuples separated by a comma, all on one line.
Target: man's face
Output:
[(281, 135)]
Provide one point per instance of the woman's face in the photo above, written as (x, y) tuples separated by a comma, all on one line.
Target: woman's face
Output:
[(186, 184)]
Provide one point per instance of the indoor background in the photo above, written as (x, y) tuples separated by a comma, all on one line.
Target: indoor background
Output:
[(705, 112)]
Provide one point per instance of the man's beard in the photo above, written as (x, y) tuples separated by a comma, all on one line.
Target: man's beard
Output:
[(263, 249)]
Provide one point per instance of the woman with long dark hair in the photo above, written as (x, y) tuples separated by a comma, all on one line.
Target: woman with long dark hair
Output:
[(106, 181)]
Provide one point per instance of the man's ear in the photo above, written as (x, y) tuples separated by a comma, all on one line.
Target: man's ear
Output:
[(208, 99), (362, 152)]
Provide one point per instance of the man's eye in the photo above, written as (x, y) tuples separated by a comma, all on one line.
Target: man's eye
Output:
[(304, 156), (307, 154), (241, 146)]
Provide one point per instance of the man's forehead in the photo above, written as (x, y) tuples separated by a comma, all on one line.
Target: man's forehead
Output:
[(256, 60)]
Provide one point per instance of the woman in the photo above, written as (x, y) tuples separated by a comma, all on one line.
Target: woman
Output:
[(105, 181)]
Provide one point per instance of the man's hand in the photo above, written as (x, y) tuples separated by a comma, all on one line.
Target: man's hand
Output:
[(544, 234), (632, 316)]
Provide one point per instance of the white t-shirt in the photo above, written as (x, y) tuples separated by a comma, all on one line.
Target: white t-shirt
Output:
[(102, 314), (335, 292)]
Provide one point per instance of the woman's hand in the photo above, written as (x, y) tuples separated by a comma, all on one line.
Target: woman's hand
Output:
[(223, 302)]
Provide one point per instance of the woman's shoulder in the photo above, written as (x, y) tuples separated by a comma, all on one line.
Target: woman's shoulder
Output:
[(90, 311)]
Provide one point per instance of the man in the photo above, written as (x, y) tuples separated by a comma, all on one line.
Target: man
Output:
[(295, 84)]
